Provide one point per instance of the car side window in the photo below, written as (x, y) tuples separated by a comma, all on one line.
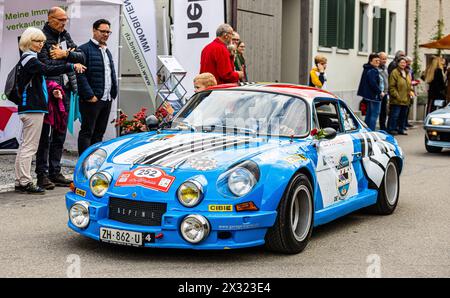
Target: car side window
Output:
[(328, 115), (350, 123)]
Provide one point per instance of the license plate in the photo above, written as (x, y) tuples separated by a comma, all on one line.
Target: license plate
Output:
[(126, 237)]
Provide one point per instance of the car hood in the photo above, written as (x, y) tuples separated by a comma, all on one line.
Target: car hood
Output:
[(198, 151), (444, 112)]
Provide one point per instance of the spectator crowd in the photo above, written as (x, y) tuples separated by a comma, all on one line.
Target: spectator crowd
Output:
[(54, 70), (388, 92)]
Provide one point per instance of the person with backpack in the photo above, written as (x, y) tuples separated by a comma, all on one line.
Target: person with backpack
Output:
[(32, 90)]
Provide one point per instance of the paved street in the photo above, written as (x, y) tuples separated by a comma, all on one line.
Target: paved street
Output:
[(414, 242)]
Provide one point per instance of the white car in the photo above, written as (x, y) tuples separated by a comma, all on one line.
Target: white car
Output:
[(437, 126)]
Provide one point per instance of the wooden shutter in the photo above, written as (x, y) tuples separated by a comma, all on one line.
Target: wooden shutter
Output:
[(376, 31), (323, 32), (379, 31), (382, 32), (350, 24), (332, 23)]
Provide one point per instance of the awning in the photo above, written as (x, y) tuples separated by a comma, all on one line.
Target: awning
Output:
[(442, 44)]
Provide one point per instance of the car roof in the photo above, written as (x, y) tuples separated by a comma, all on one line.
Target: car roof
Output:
[(305, 92)]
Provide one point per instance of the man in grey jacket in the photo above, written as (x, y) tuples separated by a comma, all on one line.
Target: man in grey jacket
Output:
[(385, 77)]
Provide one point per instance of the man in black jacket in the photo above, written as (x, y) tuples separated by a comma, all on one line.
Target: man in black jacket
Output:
[(59, 49), (97, 87)]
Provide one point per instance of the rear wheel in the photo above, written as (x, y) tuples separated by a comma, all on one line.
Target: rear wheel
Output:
[(389, 191), (294, 223), (432, 149)]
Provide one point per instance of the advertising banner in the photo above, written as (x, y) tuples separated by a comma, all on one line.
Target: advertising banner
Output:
[(139, 30), (195, 25)]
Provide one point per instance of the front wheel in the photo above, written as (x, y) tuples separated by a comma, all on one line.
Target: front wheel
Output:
[(389, 191), (294, 223)]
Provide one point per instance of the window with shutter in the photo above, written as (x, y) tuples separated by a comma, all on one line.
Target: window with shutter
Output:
[(363, 27), (379, 30), (337, 22)]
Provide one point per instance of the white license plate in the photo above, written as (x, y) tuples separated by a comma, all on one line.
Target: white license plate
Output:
[(121, 237)]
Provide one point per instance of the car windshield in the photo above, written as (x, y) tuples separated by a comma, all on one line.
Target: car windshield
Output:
[(245, 111)]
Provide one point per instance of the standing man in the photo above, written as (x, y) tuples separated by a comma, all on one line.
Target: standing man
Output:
[(394, 64), (59, 49), (385, 80), (97, 87), (215, 57)]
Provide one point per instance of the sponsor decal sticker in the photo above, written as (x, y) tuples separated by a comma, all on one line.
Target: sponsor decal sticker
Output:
[(344, 176), (220, 208), (146, 177), (295, 158), (80, 192)]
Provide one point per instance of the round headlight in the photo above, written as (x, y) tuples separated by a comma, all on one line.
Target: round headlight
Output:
[(79, 215), (190, 193), (241, 181), (437, 121), (99, 184), (93, 162), (195, 228)]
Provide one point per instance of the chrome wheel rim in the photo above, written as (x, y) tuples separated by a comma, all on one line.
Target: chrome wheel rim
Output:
[(301, 213), (391, 184)]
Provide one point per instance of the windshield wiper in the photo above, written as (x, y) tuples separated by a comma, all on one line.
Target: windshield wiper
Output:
[(211, 128)]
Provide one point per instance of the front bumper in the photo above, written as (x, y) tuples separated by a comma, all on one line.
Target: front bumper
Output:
[(243, 230), (438, 136)]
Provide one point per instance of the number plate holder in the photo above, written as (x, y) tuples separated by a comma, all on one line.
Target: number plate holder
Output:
[(126, 238)]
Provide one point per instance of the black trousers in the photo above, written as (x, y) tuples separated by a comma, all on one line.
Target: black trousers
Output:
[(94, 121), (51, 146), (383, 113)]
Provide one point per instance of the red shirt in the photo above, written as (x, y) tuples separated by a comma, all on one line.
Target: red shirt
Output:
[(216, 60)]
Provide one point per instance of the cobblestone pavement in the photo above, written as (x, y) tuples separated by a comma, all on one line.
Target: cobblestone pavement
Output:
[(7, 169)]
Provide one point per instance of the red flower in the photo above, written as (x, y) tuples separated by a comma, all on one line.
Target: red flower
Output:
[(314, 132)]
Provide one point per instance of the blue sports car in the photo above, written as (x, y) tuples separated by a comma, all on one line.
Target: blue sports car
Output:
[(239, 166)]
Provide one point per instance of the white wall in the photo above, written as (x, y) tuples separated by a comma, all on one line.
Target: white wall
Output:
[(345, 66)]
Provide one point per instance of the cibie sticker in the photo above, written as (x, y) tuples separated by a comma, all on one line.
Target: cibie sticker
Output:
[(151, 178)]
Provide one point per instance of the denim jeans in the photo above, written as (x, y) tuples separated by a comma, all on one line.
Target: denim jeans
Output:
[(373, 112), (397, 118)]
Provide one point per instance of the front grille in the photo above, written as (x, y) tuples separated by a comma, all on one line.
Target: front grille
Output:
[(136, 212)]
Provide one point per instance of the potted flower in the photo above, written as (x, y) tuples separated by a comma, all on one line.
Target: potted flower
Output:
[(135, 125)]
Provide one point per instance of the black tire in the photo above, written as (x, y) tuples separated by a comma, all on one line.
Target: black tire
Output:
[(432, 149), (281, 237), (387, 201)]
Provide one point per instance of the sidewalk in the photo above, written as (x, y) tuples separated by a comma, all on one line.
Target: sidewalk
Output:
[(68, 163)]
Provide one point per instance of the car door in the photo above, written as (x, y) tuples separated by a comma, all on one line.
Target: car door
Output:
[(372, 151), (335, 165)]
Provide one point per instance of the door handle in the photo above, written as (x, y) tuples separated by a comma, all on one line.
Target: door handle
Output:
[(357, 155)]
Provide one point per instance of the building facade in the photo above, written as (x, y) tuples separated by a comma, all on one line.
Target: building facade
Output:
[(428, 14), (283, 36)]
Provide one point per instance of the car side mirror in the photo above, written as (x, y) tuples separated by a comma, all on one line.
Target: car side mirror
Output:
[(152, 122), (330, 133)]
